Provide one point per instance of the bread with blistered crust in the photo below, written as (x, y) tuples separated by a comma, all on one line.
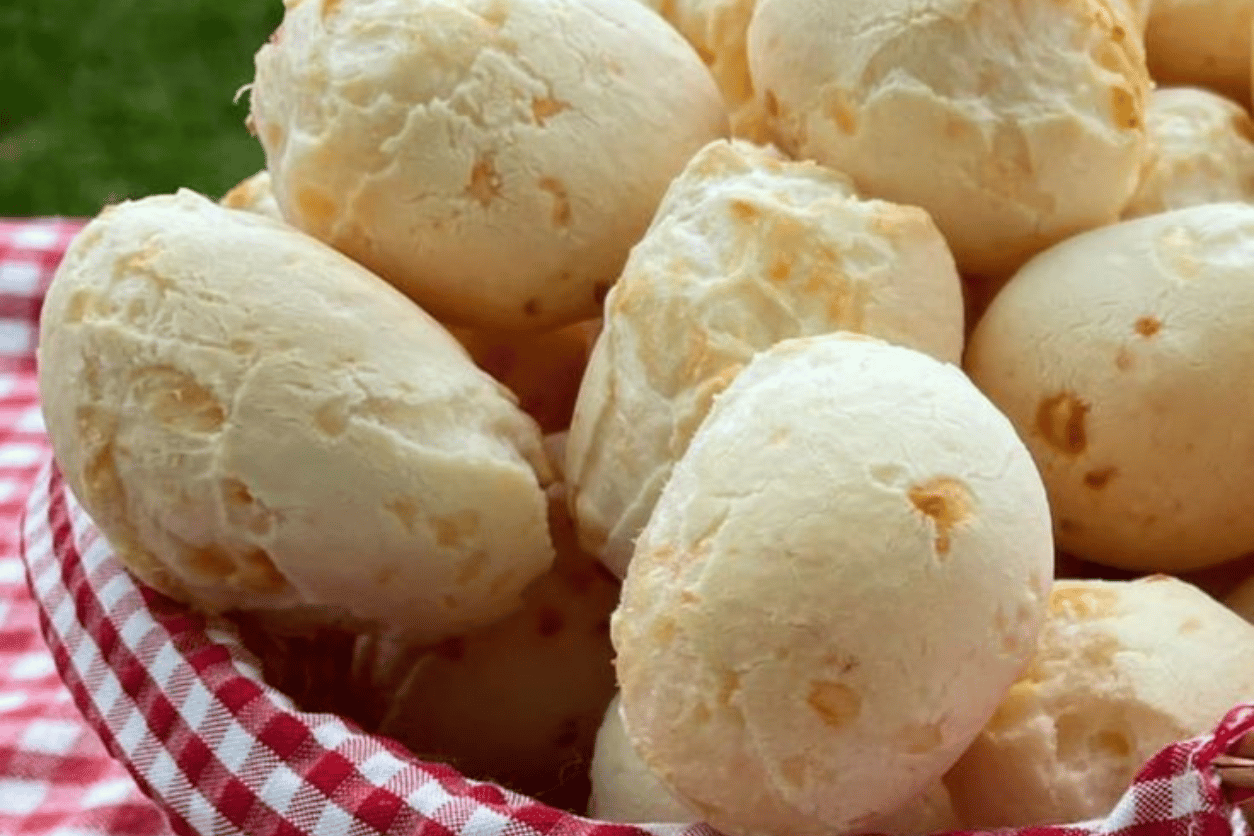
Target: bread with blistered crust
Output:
[(747, 249), (256, 422), (494, 159), (846, 570), (1202, 152), (1015, 124), (1123, 669)]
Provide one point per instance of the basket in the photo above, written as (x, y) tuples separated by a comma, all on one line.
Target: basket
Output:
[(188, 706)]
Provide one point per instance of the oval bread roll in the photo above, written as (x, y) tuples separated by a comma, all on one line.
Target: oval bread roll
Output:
[(846, 570), (1014, 124), (256, 422), (1123, 668), (1123, 356), (746, 250), (494, 159), (1203, 152)]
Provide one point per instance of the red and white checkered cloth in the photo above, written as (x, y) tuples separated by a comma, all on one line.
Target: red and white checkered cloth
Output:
[(180, 701), (55, 777)]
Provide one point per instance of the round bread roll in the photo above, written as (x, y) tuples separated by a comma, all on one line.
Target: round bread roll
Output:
[(1203, 152), (256, 422), (254, 194), (1123, 669), (1122, 356), (746, 250), (845, 572), (519, 702), (624, 790), (543, 370), (1201, 42), (1014, 124), (494, 159)]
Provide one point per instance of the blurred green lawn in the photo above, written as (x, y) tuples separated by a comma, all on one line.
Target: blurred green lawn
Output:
[(102, 100)]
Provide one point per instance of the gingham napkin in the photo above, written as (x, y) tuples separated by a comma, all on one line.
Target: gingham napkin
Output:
[(181, 702), (55, 777)]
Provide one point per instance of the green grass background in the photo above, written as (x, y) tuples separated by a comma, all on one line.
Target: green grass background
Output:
[(102, 100)]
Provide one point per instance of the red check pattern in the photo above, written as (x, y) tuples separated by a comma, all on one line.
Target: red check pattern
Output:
[(55, 777), (180, 701)]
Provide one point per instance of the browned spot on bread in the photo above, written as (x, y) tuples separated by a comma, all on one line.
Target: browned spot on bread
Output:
[(243, 509), (315, 207), (921, 738), (331, 418), (781, 268), (1123, 109), (947, 502), (561, 201), (485, 184), (1083, 602), (456, 528), (1060, 421), (329, 8), (545, 108), (210, 562), (549, 621), (664, 631), (532, 307), (405, 509), (177, 399), (1148, 326), (744, 211), (1123, 359), (1190, 625), (1100, 478), (836, 704)]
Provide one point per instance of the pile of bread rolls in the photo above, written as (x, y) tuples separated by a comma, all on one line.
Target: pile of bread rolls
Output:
[(806, 417)]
